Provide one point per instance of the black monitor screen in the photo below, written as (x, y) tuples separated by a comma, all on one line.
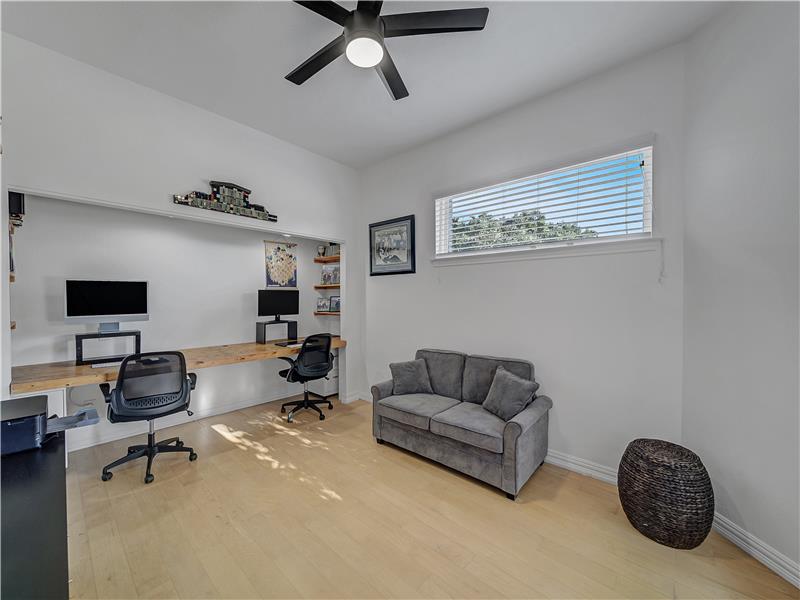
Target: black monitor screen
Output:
[(98, 298), (278, 302)]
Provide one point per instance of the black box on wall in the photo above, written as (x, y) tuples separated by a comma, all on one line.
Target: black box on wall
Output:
[(16, 204)]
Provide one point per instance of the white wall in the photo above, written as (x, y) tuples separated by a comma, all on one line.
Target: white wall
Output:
[(604, 334), (203, 291), (624, 352), (73, 131), (740, 408)]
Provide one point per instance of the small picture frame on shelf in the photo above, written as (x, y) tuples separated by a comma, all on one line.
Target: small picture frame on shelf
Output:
[(323, 305), (336, 303), (321, 250), (330, 274)]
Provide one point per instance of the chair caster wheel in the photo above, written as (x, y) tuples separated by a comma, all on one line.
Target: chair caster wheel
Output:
[(106, 476), (148, 478), (179, 444), (193, 456), (322, 417), (283, 409), (330, 406)]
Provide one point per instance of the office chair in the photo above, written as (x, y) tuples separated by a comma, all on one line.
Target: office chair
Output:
[(315, 361), (149, 385)]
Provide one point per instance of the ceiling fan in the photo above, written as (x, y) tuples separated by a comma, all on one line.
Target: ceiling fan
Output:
[(365, 29)]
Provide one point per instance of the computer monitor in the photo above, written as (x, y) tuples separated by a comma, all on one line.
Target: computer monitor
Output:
[(278, 302), (105, 302)]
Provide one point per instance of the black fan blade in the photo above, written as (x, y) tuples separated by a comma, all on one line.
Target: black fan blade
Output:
[(391, 77), (438, 21), (317, 62), (372, 7), (329, 10)]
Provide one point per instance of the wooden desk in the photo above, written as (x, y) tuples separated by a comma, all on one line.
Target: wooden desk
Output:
[(50, 376)]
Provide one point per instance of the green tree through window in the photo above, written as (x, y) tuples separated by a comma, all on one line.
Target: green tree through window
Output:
[(522, 228)]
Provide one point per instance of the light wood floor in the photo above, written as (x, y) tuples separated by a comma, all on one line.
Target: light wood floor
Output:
[(318, 509)]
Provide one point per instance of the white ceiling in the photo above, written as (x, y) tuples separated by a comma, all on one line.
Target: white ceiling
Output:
[(231, 58)]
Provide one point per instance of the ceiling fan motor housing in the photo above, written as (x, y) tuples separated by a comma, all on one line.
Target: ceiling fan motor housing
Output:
[(361, 24)]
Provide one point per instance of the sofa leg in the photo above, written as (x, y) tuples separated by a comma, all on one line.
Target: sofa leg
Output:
[(510, 496), (379, 440)]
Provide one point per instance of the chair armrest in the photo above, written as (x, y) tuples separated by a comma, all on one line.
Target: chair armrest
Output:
[(526, 419), (287, 359), (382, 390), (192, 380), (106, 389)]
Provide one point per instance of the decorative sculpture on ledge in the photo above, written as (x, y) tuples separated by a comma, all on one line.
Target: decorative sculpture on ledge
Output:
[(228, 198)]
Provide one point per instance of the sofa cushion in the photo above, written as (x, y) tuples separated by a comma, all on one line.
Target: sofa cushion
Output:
[(414, 409), (479, 374), (446, 370), (509, 394), (472, 424), (410, 377)]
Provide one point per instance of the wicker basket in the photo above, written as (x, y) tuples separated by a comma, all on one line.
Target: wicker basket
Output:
[(666, 493)]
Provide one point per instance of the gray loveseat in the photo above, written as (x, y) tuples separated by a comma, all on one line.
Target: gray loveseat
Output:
[(451, 427)]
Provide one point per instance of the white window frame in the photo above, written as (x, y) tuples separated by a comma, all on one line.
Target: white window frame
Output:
[(609, 244)]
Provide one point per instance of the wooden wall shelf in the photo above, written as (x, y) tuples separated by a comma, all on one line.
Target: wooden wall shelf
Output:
[(327, 259), (326, 314), (327, 286)]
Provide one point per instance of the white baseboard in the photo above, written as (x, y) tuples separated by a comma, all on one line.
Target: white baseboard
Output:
[(582, 466), (762, 552), (353, 396)]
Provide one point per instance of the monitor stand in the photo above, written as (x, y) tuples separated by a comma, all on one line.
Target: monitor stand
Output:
[(82, 337), (111, 327), (261, 329)]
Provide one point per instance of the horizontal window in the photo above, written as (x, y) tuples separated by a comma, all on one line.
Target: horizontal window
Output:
[(606, 198)]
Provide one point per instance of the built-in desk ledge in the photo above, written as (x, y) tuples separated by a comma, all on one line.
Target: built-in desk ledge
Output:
[(564, 250)]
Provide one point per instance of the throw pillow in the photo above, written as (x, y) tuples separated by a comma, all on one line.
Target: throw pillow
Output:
[(411, 377), (509, 394)]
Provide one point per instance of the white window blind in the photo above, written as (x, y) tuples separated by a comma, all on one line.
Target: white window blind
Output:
[(606, 198)]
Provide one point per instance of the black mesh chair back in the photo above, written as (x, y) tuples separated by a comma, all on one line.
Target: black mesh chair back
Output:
[(150, 385), (315, 359)]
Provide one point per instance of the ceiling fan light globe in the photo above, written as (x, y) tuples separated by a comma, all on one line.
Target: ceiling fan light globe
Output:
[(364, 52)]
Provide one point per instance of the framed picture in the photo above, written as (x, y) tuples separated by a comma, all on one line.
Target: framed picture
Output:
[(281, 264), (330, 274), (323, 305), (336, 303), (392, 247)]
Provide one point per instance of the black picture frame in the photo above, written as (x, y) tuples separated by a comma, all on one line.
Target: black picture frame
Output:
[(402, 268)]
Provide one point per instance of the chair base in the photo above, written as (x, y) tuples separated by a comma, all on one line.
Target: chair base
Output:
[(150, 449), (306, 403)]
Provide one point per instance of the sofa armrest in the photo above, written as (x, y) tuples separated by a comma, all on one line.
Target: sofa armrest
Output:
[(379, 391), (525, 444), (382, 390), (526, 419)]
